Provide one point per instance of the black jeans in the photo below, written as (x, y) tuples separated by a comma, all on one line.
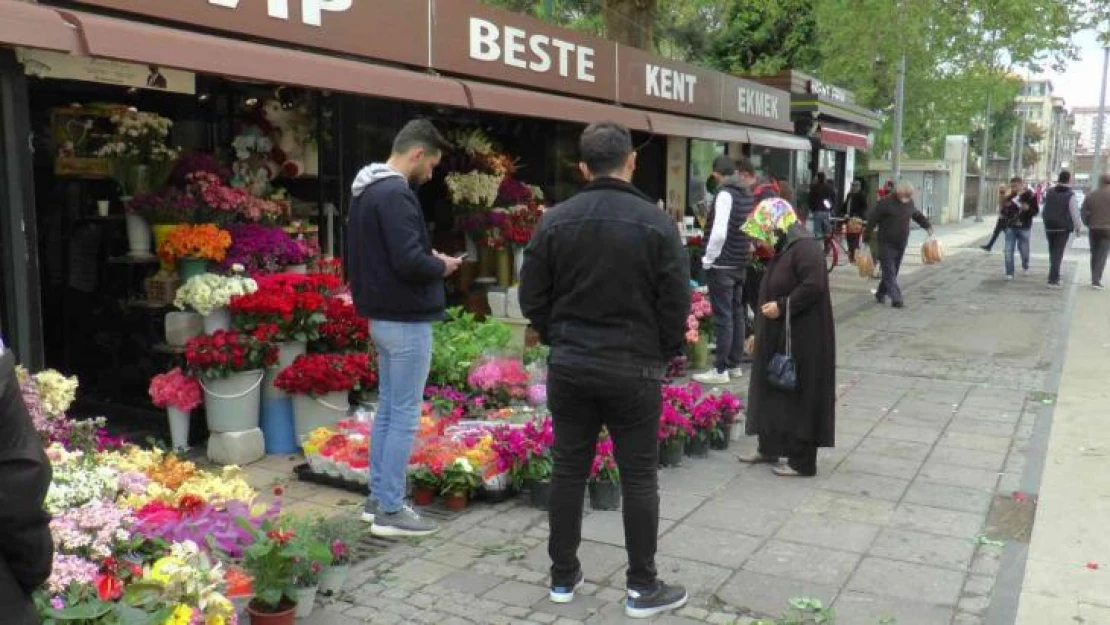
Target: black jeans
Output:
[(1100, 249), (998, 230), (752, 281), (802, 456), (726, 294), (890, 259), (581, 401), (853, 245), (1057, 245)]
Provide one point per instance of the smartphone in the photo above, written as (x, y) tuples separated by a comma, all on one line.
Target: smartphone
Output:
[(462, 256)]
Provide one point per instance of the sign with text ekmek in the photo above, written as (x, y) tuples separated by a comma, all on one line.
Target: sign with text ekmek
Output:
[(748, 102), (381, 29), (649, 81), (472, 39)]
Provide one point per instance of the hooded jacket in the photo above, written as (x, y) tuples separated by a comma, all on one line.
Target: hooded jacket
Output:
[(394, 275)]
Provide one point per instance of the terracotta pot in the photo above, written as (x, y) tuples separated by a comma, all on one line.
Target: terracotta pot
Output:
[(284, 617), (455, 501), (423, 496)]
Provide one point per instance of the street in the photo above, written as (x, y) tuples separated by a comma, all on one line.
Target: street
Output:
[(908, 519)]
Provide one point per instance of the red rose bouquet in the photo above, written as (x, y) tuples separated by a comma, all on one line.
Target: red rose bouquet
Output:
[(523, 220), (320, 374), (294, 303), (343, 330), (224, 353)]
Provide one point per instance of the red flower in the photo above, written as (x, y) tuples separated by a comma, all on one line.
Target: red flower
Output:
[(278, 491), (223, 353), (320, 374), (281, 537), (108, 587), (190, 503)]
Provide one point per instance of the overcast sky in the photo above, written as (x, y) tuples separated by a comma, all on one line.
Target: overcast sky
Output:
[(1080, 84)]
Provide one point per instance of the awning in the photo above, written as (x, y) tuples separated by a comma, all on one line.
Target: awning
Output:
[(35, 26), (830, 137), (167, 47), (781, 140), (514, 101), (691, 128)]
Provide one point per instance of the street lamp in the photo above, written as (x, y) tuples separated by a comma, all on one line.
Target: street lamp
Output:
[(1097, 173)]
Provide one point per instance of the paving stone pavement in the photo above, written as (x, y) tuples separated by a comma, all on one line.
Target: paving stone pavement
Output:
[(936, 411)]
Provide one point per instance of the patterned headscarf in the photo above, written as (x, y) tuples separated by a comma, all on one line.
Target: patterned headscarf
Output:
[(769, 220)]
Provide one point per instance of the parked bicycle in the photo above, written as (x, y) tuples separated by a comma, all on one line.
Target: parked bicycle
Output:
[(836, 247)]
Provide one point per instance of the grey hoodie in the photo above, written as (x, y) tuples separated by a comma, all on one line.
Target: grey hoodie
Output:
[(371, 174)]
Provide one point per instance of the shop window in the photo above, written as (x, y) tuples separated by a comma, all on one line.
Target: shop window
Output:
[(699, 183)]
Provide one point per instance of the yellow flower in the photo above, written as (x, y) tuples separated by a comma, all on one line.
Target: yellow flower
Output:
[(214, 619), (163, 570), (182, 614)]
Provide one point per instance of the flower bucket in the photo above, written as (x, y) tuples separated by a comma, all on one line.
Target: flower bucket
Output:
[(288, 352), (179, 428), (233, 403), (138, 237), (540, 494), (504, 267), (276, 422), (497, 488), (284, 617), (723, 439), (698, 446), (182, 326), (518, 260), (455, 501), (670, 453), (699, 352), (306, 600), (423, 496), (311, 412), (333, 579), (161, 231), (218, 319), (191, 268), (301, 269), (605, 495)]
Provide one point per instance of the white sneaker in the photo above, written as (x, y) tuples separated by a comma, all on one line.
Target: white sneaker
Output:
[(1009, 278), (712, 378), (736, 373)]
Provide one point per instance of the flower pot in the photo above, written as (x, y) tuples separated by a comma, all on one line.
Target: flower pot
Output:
[(518, 260), (306, 600), (455, 501), (605, 495), (233, 403), (698, 446), (189, 267), (423, 496), (276, 423), (138, 237), (471, 249), (288, 351), (284, 616), (670, 453), (301, 269), (497, 488), (311, 412), (485, 261), (540, 494), (333, 579), (179, 427), (722, 438), (699, 352), (504, 267), (161, 231), (218, 319), (182, 326)]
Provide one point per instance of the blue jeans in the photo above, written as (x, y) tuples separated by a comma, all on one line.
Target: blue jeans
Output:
[(821, 223), (404, 358), (1019, 238)]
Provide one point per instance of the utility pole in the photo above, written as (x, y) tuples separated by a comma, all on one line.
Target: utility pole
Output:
[(986, 154), (1021, 147), (899, 105), (1013, 152), (1097, 174)]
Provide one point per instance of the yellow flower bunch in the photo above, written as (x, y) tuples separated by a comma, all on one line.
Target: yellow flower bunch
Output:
[(56, 391), (134, 459), (172, 472), (216, 488), (482, 455), (182, 615), (321, 435)]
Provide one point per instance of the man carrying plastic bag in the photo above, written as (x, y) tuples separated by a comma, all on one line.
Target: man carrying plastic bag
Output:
[(891, 219)]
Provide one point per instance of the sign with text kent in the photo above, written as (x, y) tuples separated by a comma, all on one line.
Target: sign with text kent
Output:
[(747, 102), (649, 81)]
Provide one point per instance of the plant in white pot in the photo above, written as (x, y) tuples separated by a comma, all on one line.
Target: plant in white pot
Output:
[(321, 384), (179, 394), (313, 557), (209, 295), (339, 533), (229, 366)]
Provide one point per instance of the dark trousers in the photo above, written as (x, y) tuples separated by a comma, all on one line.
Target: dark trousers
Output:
[(726, 295), (1100, 249), (802, 456), (853, 245), (890, 259), (998, 230), (752, 282), (581, 401), (1057, 245)]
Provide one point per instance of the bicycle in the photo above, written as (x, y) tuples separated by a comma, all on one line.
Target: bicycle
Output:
[(836, 249)]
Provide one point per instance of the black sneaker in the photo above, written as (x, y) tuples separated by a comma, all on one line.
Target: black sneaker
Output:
[(985, 248), (898, 305), (662, 598), (565, 594)]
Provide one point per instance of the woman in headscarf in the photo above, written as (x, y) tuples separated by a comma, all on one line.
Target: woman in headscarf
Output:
[(791, 424)]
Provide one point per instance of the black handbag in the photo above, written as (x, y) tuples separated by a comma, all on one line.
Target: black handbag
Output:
[(781, 370)]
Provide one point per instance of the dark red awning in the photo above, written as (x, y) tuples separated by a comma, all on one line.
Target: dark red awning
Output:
[(830, 137)]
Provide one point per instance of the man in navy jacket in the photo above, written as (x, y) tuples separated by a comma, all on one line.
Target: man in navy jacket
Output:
[(397, 282)]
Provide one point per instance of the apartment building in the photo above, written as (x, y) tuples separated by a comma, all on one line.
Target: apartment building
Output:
[(1056, 149)]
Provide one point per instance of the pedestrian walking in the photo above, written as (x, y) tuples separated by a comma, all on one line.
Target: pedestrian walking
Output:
[(855, 210), (1019, 207), (890, 223), (727, 256), (999, 223), (1096, 216), (25, 475), (605, 284), (822, 201), (794, 297), (1061, 218), (397, 283)]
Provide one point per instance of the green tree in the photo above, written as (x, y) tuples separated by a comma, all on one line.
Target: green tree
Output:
[(763, 37)]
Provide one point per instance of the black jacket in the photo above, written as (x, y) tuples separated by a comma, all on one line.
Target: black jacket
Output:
[(822, 197), (1057, 213), (27, 550), (1018, 211), (855, 205), (892, 219), (605, 282), (393, 274)]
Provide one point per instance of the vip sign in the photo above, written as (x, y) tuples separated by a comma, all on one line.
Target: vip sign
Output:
[(312, 11), (534, 52)]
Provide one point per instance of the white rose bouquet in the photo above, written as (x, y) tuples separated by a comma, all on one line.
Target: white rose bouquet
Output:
[(208, 292)]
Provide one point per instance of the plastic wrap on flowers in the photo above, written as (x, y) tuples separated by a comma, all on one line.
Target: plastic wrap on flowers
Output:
[(503, 380)]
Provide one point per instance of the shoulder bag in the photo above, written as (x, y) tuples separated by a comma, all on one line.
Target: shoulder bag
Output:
[(781, 371)]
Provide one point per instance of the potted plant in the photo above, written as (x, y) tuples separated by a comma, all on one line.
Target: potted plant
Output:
[(193, 247), (240, 588), (312, 556), (179, 394), (224, 205), (460, 480), (264, 249), (705, 420), (728, 407), (503, 381), (535, 464), (209, 295), (229, 366), (164, 210), (425, 484), (321, 384), (605, 477), (293, 305), (674, 429), (271, 561), (339, 533)]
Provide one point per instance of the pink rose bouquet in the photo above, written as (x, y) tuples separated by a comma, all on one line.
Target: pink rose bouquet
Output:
[(175, 389)]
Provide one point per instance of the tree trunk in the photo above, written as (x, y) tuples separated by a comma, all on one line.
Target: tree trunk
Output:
[(630, 21)]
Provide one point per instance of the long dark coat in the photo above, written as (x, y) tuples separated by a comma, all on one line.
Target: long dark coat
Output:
[(809, 414)]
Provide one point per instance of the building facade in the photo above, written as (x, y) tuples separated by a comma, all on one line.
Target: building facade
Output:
[(1039, 107)]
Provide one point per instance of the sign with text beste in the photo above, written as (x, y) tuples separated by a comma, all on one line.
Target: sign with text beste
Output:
[(649, 81), (472, 39), (748, 102), (390, 30)]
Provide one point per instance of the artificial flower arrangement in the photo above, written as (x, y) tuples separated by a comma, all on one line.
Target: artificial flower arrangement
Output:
[(295, 304), (700, 309), (202, 242), (604, 466), (209, 291), (343, 329), (320, 374), (223, 353), (502, 380), (175, 389), (264, 249)]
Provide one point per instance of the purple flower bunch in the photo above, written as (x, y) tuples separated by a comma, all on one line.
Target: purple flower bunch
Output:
[(69, 570), (513, 192), (218, 527), (91, 530), (193, 162), (263, 249)]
